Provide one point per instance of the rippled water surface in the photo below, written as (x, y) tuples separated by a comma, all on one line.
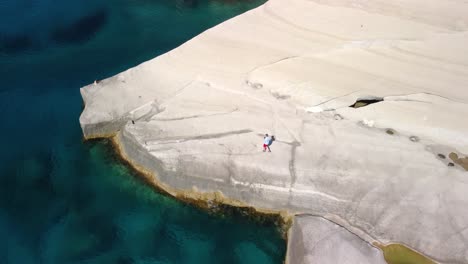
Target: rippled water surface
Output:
[(65, 201)]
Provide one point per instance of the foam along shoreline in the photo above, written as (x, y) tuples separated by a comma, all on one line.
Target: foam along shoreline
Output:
[(194, 117)]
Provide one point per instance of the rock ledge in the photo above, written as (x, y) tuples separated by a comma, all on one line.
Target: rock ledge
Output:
[(194, 117)]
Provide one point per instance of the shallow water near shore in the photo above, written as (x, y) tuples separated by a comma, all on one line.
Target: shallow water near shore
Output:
[(63, 200)]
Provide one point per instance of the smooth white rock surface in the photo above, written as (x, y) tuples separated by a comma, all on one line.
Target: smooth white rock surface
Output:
[(292, 68), (313, 239)]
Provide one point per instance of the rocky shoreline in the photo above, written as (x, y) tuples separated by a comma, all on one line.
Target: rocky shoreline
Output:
[(329, 239), (288, 224), (193, 119)]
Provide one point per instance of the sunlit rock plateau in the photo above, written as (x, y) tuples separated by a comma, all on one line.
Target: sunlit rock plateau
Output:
[(390, 169)]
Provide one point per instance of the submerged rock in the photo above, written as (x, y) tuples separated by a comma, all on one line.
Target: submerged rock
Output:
[(15, 44), (81, 30)]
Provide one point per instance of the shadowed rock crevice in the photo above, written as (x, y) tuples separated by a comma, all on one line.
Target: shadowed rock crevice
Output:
[(292, 163), (366, 102), (279, 96), (390, 131)]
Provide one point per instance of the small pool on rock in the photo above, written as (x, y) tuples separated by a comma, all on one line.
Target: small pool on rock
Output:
[(65, 201), (400, 254)]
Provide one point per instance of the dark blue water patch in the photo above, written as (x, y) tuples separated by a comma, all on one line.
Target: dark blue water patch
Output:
[(187, 3), (31, 24), (83, 29), (108, 215), (11, 44), (65, 201)]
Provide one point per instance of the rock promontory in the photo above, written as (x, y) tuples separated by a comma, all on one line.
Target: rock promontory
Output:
[(368, 101)]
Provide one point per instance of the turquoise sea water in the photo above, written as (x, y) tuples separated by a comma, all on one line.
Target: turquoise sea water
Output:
[(63, 200)]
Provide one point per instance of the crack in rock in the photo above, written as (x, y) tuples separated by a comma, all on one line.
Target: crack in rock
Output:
[(171, 140), (361, 102)]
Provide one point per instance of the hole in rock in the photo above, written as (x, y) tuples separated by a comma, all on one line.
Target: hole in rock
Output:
[(366, 101), (280, 96), (338, 117), (390, 131), (254, 85)]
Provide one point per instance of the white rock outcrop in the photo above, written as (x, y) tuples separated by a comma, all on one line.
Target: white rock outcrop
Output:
[(313, 239), (196, 116)]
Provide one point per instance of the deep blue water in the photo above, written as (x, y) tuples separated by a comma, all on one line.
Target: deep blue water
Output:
[(63, 200)]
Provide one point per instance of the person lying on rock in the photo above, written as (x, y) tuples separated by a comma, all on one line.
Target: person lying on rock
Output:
[(267, 141)]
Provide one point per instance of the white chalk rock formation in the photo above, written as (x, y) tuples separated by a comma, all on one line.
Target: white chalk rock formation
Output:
[(196, 116), (316, 240)]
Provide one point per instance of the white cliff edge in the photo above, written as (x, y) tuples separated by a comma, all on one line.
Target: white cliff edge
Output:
[(313, 239), (195, 116)]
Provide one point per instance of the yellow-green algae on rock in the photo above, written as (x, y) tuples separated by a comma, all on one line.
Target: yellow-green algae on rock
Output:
[(400, 254)]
